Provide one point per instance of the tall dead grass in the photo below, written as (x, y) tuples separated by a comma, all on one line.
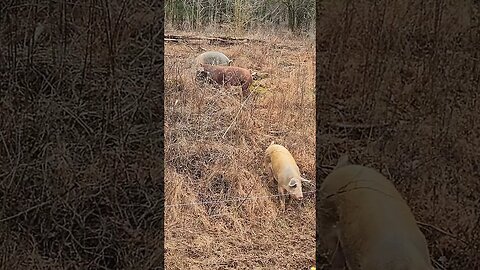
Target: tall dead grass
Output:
[(408, 72), (81, 134), (204, 163)]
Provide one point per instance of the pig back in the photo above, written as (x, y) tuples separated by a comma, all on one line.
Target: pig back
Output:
[(282, 161), (212, 58), (372, 217)]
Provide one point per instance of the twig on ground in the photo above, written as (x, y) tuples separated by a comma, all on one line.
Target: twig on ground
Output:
[(235, 118), (442, 231), (357, 126)]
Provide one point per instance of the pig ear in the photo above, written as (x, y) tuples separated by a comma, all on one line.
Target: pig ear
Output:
[(201, 74), (292, 183), (305, 180), (343, 161)]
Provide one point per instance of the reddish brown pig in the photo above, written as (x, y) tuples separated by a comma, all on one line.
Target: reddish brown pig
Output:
[(226, 75)]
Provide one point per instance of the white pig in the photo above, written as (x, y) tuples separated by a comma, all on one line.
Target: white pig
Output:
[(284, 169)]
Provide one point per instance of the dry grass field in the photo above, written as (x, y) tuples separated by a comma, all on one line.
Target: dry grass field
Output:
[(399, 91), (205, 163), (81, 135)]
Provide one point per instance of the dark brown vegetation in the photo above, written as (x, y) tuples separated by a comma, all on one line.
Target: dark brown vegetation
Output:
[(80, 134), (214, 152), (399, 90), (241, 15)]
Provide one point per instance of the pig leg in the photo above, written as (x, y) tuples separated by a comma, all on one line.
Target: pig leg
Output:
[(329, 231), (245, 91), (338, 258), (282, 198), (266, 165), (288, 199)]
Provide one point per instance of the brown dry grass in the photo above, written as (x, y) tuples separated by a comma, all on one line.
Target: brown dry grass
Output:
[(80, 135), (201, 165), (415, 67)]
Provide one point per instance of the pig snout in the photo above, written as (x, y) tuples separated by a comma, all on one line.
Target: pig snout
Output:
[(298, 194)]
